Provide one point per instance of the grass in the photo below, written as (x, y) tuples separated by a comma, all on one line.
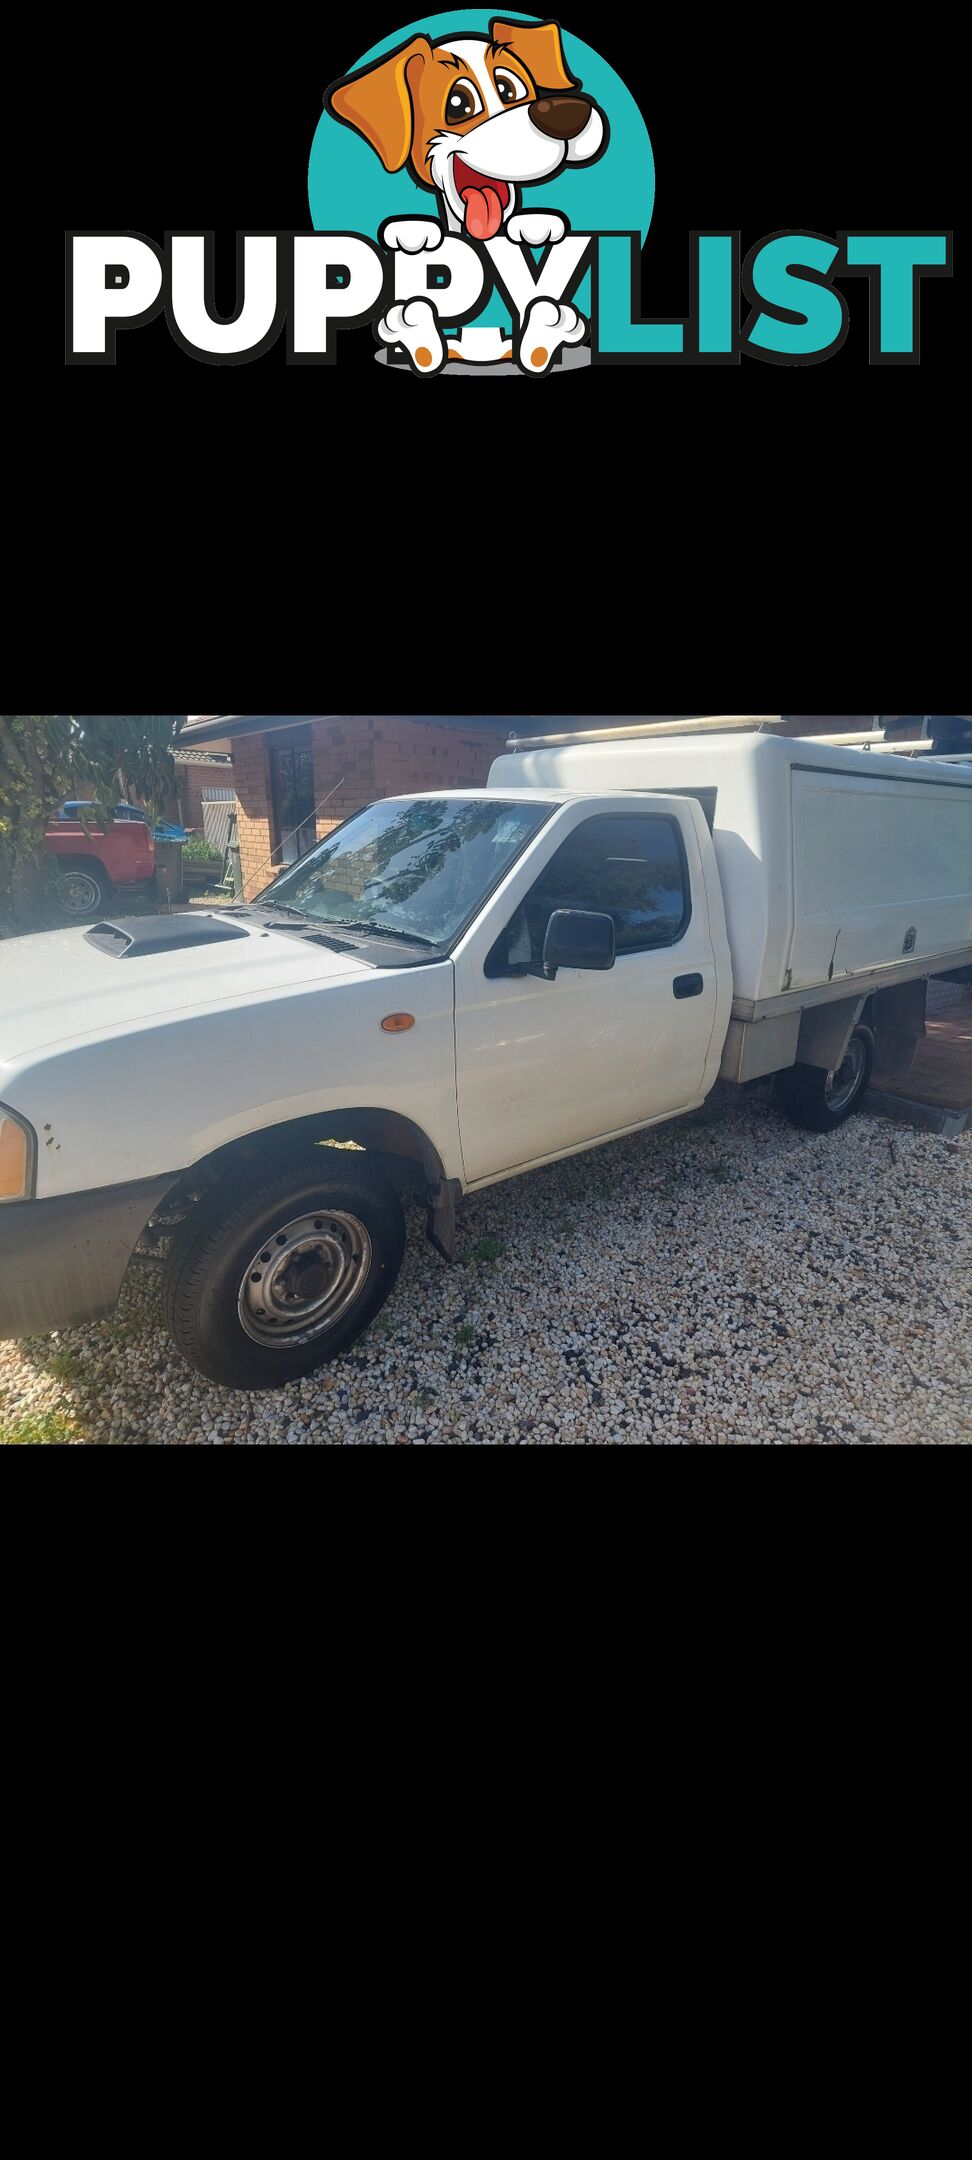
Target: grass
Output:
[(489, 1249), (38, 1428), (64, 1366), (466, 1335), (124, 1331)]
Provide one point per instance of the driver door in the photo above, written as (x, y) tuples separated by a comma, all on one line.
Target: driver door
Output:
[(547, 1066)]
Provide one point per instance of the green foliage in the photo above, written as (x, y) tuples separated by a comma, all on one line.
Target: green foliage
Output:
[(137, 746), (199, 849), (64, 1366), (489, 1249), (38, 1428), (466, 1335), (48, 758), (37, 771)]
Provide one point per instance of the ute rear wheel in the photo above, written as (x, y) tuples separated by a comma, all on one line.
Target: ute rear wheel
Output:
[(265, 1285), (83, 891), (821, 1101)]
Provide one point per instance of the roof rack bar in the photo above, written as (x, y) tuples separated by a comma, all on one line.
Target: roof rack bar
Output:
[(869, 736), (724, 723), (921, 748)]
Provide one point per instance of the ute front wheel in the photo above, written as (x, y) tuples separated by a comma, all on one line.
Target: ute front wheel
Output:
[(262, 1287)]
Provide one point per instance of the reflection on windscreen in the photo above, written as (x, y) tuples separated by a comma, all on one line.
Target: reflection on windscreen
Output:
[(419, 866)]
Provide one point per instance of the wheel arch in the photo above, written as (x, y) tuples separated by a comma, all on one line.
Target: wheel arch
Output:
[(396, 1146), (80, 862), (399, 1144)]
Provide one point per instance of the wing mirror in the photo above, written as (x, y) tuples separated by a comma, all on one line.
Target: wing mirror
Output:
[(578, 939)]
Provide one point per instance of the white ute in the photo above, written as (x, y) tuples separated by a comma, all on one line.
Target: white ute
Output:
[(452, 989)]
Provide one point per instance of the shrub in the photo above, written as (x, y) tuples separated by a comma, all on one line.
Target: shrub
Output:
[(200, 850)]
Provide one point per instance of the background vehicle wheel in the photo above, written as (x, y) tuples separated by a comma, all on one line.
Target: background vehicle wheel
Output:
[(263, 1286), (84, 890), (820, 1101)]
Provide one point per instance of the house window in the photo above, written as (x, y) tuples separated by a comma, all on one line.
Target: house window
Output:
[(292, 794)]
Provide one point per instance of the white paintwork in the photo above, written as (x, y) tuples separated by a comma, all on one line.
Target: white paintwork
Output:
[(905, 852), (838, 862), (545, 1067), (132, 1069), (141, 1067)]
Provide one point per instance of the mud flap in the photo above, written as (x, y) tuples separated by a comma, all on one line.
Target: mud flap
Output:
[(899, 1026), (826, 1030), (441, 1219)]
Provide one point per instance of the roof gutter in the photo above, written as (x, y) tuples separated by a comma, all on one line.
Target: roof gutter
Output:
[(212, 727)]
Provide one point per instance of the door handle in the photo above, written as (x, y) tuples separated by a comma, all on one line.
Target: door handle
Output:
[(686, 986)]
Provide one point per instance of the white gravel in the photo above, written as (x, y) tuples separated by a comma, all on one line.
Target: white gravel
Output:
[(721, 1279)]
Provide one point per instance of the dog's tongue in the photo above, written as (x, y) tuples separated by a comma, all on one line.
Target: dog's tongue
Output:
[(484, 212), (483, 200)]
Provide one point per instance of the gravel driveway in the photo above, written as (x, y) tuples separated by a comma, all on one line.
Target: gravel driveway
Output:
[(722, 1278)]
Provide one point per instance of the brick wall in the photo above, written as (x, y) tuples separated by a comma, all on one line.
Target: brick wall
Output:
[(191, 794), (194, 779), (344, 770), (413, 754), (251, 778), (357, 760)]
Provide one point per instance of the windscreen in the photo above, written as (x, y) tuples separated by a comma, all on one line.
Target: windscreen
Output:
[(416, 866)]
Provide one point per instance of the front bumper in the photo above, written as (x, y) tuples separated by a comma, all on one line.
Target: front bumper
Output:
[(62, 1262)]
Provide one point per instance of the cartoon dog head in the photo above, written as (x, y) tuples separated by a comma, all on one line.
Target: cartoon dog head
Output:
[(476, 118)]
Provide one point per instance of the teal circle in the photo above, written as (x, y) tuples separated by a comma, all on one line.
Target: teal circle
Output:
[(350, 191)]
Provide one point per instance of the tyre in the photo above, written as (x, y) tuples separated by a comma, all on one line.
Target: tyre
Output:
[(84, 890), (820, 1101), (262, 1286)]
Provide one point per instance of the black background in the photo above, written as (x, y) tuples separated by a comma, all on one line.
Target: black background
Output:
[(263, 536)]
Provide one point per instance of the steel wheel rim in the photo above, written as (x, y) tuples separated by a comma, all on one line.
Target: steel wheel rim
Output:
[(79, 893), (842, 1085), (303, 1279)]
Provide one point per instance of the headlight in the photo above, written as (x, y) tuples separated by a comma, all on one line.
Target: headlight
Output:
[(18, 1149)]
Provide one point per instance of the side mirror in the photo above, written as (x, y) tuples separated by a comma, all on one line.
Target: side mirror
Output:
[(577, 939)]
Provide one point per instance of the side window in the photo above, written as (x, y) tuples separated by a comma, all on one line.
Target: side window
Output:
[(630, 867)]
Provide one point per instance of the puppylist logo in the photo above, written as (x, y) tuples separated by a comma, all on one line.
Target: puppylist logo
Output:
[(501, 181)]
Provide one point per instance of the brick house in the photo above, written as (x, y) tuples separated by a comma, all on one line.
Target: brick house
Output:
[(297, 776), (201, 769)]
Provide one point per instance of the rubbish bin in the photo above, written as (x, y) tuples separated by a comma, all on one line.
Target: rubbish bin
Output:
[(168, 869)]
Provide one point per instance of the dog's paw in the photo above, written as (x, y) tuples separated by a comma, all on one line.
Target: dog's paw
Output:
[(412, 324), (547, 325), (536, 227), (411, 234)]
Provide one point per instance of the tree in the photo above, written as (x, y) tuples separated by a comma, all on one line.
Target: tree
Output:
[(139, 748), (47, 758)]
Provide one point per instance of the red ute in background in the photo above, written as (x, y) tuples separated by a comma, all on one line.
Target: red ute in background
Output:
[(93, 862)]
